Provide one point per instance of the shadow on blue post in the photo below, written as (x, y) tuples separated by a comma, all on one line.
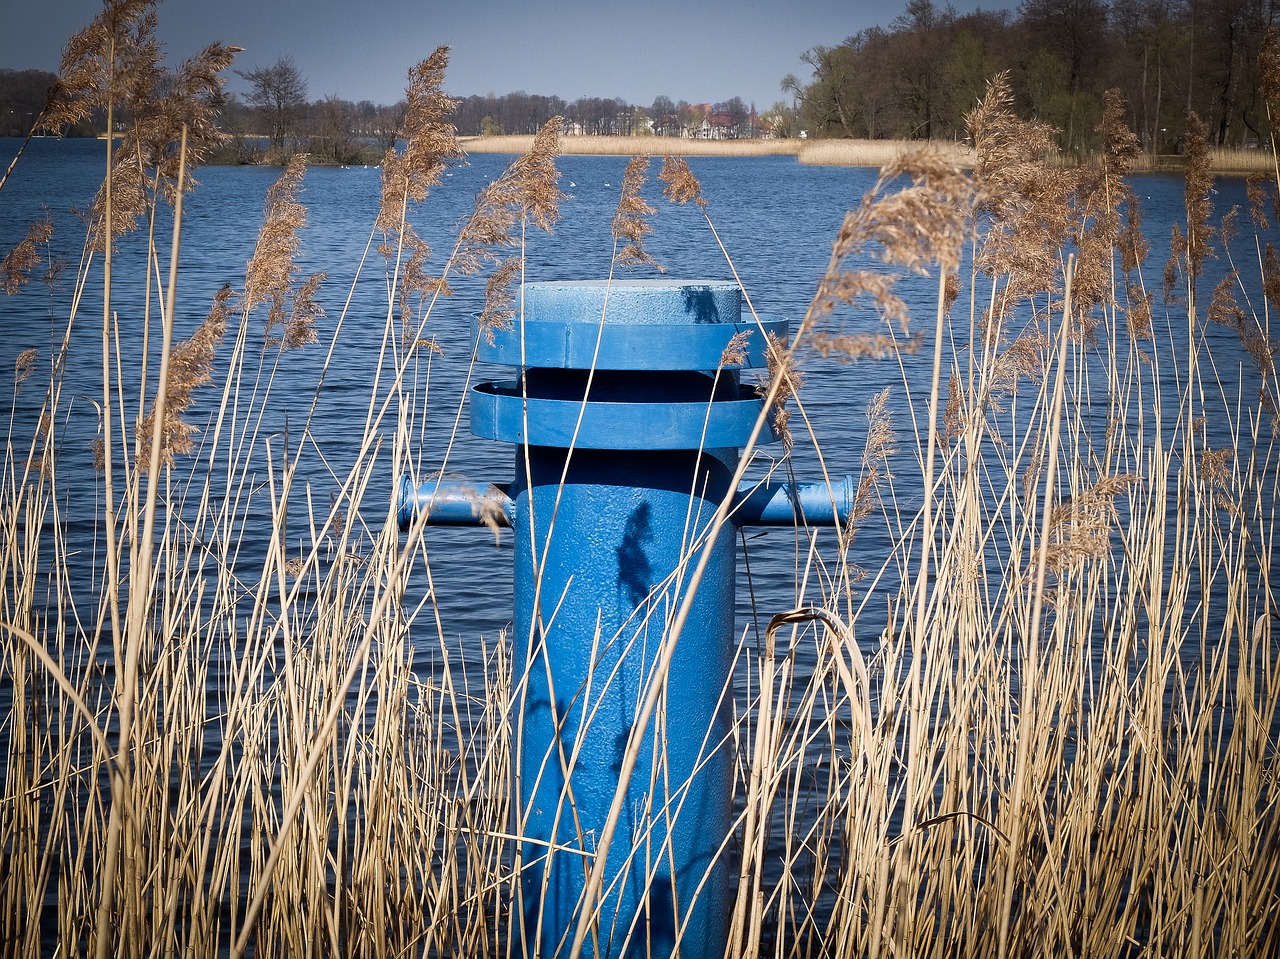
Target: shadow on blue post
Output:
[(610, 509)]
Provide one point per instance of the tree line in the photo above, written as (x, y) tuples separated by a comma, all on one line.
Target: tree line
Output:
[(23, 94), (596, 116), (274, 117), (919, 76), (914, 79)]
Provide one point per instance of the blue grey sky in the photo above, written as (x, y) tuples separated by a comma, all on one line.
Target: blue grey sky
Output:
[(695, 50)]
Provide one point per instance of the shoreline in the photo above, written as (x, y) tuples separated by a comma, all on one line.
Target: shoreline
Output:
[(634, 146), (850, 153), (870, 153)]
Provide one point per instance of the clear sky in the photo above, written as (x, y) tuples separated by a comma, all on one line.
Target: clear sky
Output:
[(695, 50)]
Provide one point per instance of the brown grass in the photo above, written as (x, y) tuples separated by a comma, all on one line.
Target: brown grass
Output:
[(869, 153), (634, 146), (1061, 738), (876, 153), (852, 153), (1221, 160)]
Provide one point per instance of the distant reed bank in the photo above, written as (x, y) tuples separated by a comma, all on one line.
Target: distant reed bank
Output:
[(853, 153)]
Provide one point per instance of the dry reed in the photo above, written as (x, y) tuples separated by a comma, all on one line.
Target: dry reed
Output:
[(852, 153), (652, 146), (21, 262), (1060, 739), (631, 220)]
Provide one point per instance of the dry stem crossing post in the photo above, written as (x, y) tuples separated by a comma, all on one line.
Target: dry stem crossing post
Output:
[(629, 413)]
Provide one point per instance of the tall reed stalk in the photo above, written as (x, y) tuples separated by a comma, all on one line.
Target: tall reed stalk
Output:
[(1048, 724)]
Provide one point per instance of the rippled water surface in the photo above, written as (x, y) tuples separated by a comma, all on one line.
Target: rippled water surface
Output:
[(775, 217)]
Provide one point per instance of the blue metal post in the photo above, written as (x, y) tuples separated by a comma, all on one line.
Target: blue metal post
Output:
[(627, 424)]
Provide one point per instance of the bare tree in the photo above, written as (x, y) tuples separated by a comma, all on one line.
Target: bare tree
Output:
[(666, 119), (781, 120), (828, 103), (332, 125), (279, 92)]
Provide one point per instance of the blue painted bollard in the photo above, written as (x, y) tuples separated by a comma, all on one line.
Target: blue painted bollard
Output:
[(628, 423)]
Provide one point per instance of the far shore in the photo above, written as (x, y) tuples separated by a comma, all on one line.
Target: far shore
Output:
[(872, 153), (853, 153)]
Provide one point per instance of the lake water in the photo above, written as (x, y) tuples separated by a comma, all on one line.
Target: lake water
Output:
[(776, 217)]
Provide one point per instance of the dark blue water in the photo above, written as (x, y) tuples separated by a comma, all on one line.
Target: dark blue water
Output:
[(775, 217), (222, 217)]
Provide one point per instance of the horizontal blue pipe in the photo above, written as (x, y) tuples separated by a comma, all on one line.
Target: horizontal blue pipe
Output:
[(453, 502), (781, 504)]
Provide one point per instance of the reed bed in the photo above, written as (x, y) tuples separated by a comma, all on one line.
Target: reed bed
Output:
[(1064, 742), (878, 153), (1221, 160), (863, 153), (653, 146), (851, 153), (875, 153)]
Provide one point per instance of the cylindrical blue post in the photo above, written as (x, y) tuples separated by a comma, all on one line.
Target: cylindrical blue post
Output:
[(627, 414), (619, 472), (601, 565)]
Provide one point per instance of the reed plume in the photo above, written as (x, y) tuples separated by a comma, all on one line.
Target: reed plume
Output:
[(116, 64), (300, 327), (526, 194), (499, 300), (1225, 309), (1101, 193), (1023, 200), (735, 351), (416, 284), (918, 226), (107, 65), (1189, 249), (1200, 234), (537, 180), (189, 98), (1024, 358), (22, 367), (1259, 195), (190, 367), (631, 219), (430, 144), (87, 75), (1271, 276), (1131, 242), (879, 448), (681, 185), (1133, 249), (782, 381), (21, 262), (271, 272), (1080, 527)]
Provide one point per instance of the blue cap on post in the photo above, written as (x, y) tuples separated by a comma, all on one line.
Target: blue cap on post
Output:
[(616, 328)]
